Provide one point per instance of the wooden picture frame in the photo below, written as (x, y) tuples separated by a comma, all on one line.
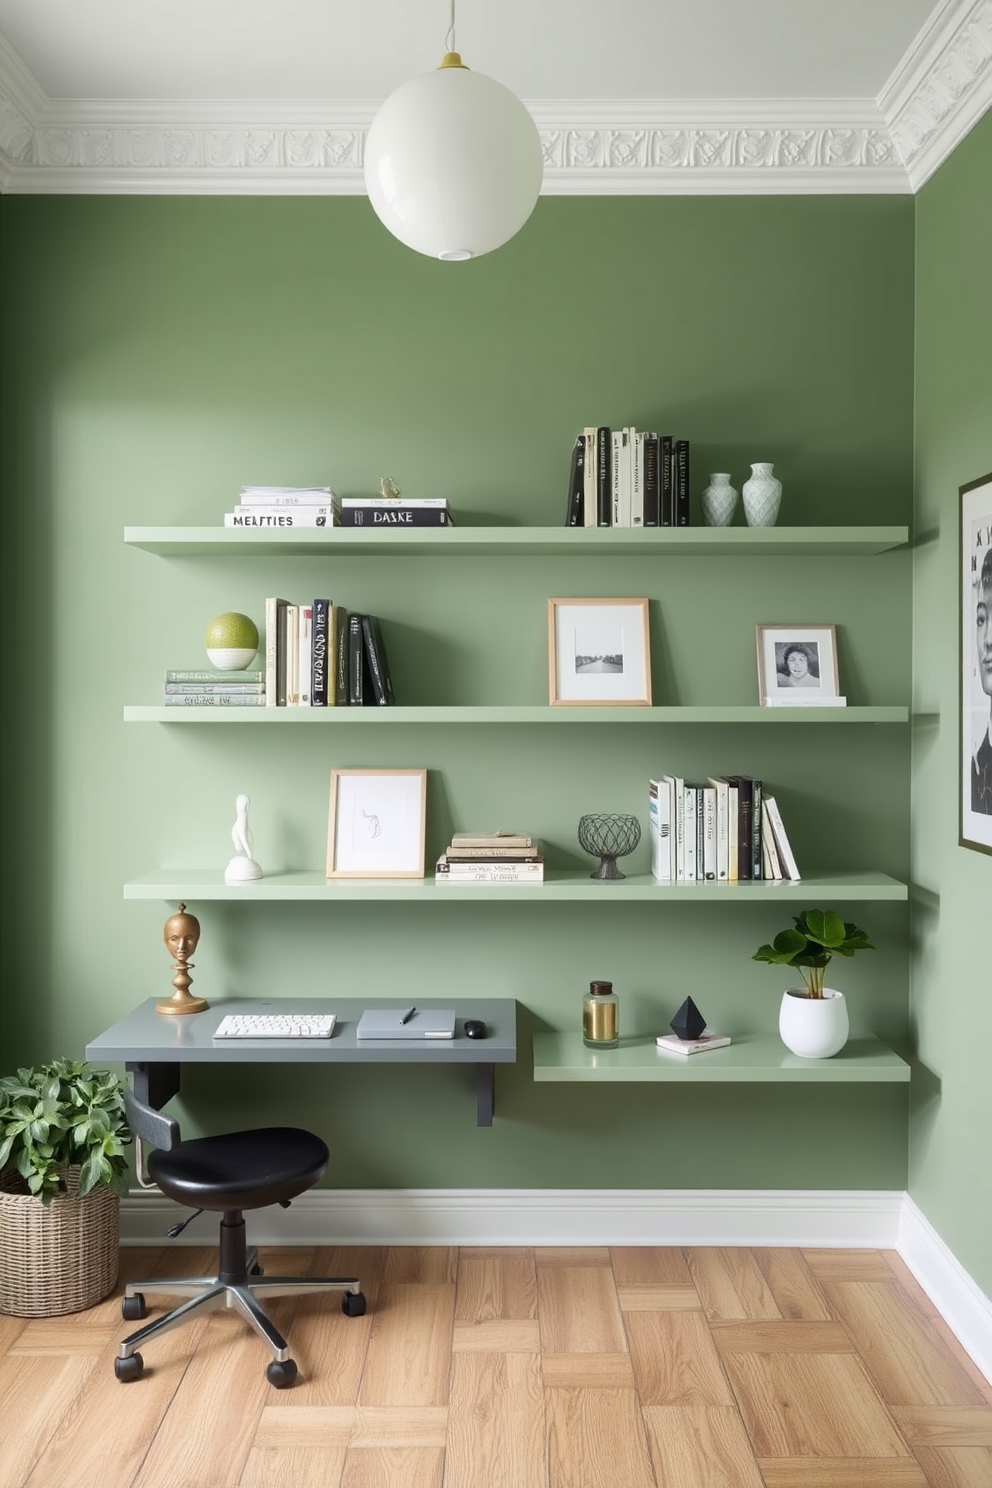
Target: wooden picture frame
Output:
[(975, 665), (376, 821), (797, 666), (599, 653)]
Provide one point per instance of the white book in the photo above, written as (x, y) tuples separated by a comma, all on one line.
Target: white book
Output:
[(305, 653), (425, 501), (660, 829), (626, 455), (677, 785), (274, 672), (709, 833), (637, 479), (787, 858), (805, 701), (722, 790), (769, 850), (285, 495), (689, 832), (274, 518), (589, 487)]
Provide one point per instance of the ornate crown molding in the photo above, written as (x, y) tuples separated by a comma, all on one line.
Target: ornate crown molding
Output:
[(941, 88), (590, 148)]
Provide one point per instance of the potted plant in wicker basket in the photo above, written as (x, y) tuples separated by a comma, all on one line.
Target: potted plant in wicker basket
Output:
[(63, 1132)]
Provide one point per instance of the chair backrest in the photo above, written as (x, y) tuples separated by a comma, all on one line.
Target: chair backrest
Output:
[(151, 1126)]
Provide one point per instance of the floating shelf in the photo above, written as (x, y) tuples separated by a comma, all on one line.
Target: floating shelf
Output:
[(654, 542), (515, 714), (205, 883), (750, 1059)]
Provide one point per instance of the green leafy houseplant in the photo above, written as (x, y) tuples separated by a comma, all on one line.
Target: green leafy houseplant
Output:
[(61, 1115), (818, 936)]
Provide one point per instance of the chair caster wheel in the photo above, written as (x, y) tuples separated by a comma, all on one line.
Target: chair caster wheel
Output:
[(129, 1368), (353, 1304), (281, 1373), (133, 1309)]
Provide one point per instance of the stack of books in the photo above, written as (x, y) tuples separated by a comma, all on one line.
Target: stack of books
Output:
[(266, 507), (390, 512), (628, 478), (727, 830), (214, 689), (320, 655), (491, 858)]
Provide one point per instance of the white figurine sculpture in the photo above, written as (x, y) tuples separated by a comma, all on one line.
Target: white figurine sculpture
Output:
[(242, 868)]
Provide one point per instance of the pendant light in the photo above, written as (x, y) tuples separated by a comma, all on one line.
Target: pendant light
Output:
[(453, 161)]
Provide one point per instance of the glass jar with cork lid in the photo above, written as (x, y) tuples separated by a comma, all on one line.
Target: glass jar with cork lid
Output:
[(601, 1017)]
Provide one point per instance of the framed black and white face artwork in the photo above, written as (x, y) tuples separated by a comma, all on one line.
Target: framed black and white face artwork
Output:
[(975, 666), (797, 666)]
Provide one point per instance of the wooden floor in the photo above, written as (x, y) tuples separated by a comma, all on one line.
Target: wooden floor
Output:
[(516, 1368)]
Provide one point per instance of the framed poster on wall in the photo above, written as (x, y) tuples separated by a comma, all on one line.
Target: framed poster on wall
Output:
[(975, 665)]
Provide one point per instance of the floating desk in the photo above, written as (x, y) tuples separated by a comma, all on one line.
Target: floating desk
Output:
[(154, 1046)]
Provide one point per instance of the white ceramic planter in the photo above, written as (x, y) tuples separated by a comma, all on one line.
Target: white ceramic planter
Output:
[(813, 1027)]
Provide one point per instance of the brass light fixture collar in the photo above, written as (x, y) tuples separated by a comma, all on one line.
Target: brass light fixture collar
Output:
[(451, 59)]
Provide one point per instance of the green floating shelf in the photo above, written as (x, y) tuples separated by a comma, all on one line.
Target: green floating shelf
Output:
[(193, 542), (542, 714), (750, 1059), (203, 884)]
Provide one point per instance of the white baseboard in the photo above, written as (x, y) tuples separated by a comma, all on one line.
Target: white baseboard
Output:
[(547, 1217), (965, 1309)]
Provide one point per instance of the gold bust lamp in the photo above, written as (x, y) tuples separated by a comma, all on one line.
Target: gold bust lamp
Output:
[(181, 934)]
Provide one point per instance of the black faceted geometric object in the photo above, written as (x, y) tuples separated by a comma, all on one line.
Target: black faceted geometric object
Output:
[(688, 1022), (608, 837)]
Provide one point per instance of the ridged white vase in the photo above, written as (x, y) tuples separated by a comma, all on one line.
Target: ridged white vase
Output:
[(762, 496), (813, 1027), (719, 501)]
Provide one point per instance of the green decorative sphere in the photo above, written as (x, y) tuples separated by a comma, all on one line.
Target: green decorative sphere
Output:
[(232, 641)]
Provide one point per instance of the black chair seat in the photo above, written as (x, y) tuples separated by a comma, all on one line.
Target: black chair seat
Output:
[(240, 1170)]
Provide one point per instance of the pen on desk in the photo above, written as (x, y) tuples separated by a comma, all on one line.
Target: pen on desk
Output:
[(408, 1015)]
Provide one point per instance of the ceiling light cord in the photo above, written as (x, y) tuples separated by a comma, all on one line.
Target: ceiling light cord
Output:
[(449, 35)]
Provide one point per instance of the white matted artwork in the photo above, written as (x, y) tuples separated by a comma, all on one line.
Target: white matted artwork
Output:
[(975, 783), (375, 825), (599, 652), (797, 666)]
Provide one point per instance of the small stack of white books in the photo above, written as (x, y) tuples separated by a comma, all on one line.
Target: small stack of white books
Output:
[(491, 858), (271, 507)]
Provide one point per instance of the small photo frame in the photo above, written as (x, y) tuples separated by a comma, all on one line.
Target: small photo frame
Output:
[(376, 824), (975, 666), (599, 653), (797, 666)]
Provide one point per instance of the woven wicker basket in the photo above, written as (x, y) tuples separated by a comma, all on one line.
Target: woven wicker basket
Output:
[(56, 1259)]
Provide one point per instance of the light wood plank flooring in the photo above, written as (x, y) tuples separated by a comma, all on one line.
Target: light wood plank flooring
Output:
[(521, 1367)]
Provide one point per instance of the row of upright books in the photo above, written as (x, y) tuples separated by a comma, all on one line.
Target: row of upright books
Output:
[(263, 508), (321, 655), (726, 830), (628, 478), (491, 858)]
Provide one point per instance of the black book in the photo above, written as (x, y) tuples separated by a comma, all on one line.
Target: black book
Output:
[(281, 655), (680, 463), (665, 472), (748, 826), (652, 488), (319, 659), (341, 690), (574, 515), (604, 476), (375, 655), (395, 515), (357, 664)]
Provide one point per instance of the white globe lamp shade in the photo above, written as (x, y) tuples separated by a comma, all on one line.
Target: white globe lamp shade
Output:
[(453, 163)]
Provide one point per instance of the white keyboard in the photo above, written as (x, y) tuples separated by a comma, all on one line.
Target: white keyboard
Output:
[(275, 1026)]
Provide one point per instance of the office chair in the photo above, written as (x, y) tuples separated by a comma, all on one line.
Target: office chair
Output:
[(229, 1173)]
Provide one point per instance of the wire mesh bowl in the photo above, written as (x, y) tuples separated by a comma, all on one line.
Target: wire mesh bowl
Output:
[(608, 836)]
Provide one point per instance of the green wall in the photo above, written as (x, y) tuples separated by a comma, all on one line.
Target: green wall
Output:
[(950, 1175), (159, 353)]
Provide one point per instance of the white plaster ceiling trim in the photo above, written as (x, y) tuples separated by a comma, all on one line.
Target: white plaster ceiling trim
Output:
[(942, 87), (632, 147)]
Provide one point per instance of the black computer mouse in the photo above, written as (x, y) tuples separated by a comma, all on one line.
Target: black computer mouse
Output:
[(475, 1028)]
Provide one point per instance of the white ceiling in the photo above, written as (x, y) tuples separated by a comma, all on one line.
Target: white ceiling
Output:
[(633, 95)]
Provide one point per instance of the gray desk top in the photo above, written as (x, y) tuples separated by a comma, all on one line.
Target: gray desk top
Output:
[(145, 1036)]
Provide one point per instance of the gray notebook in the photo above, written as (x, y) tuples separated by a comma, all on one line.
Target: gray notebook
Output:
[(407, 1023)]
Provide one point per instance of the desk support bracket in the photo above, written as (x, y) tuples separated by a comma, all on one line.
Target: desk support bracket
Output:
[(153, 1083), (485, 1087)]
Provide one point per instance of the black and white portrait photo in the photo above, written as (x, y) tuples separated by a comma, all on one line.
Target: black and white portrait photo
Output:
[(797, 666), (976, 665)]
